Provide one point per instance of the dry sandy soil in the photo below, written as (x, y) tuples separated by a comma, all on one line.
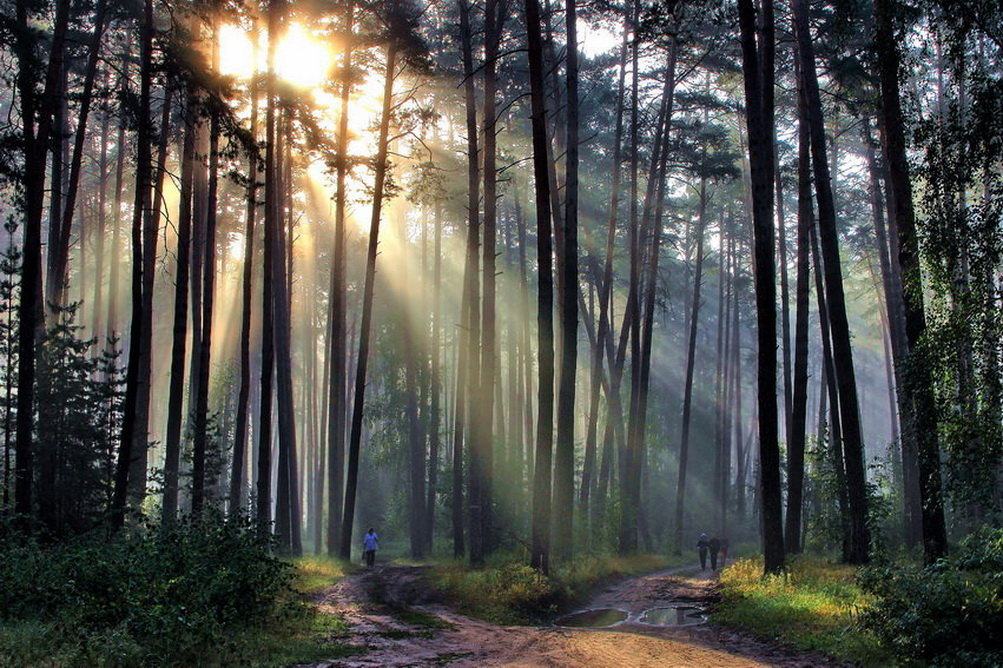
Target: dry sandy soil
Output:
[(470, 643)]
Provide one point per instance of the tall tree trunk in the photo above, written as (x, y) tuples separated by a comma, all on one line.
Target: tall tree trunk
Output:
[(237, 492), (35, 140), (355, 436), (691, 349), (132, 425), (853, 445), (605, 287), (757, 67), (337, 402), (175, 401), (918, 388), (435, 381), (540, 555), (287, 500), (895, 314), (111, 323), (102, 219), (201, 400), (796, 437), (482, 407), (59, 255), (564, 453)]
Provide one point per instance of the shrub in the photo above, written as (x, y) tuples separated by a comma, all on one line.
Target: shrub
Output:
[(166, 592), (947, 614)]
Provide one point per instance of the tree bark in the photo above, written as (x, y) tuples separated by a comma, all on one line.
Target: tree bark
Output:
[(540, 555), (796, 437), (757, 68), (691, 349), (175, 401), (355, 436), (853, 445), (918, 388)]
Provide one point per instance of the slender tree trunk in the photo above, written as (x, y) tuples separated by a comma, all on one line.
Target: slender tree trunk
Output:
[(435, 381), (201, 400), (482, 407), (102, 218), (287, 498), (796, 437), (540, 555), (237, 492), (355, 436), (918, 388), (898, 338), (564, 453), (175, 401), (757, 67), (59, 255), (853, 445), (337, 402), (691, 349), (132, 425)]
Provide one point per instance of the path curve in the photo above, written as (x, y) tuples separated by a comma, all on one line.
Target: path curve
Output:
[(473, 643)]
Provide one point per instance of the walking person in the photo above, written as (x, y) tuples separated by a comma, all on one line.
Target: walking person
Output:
[(370, 543), (715, 547), (724, 551), (702, 546)]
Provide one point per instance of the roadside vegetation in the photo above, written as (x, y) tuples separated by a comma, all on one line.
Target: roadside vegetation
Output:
[(946, 614), (814, 605), (210, 594), (507, 591)]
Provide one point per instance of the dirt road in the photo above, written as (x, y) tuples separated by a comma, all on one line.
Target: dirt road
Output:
[(469, 643)]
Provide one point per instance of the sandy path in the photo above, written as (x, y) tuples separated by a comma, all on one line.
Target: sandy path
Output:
[(473, 643)]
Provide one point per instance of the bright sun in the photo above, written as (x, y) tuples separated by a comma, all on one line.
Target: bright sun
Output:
[(300, 58)]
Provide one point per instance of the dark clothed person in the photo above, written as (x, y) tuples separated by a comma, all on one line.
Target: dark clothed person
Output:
[(715, 547), (702, 546), (724, 552)]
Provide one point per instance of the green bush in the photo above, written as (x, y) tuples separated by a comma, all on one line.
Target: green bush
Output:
[(947, 614), (166, 592)]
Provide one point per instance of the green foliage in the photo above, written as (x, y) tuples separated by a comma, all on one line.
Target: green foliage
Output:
[(169, 594), (814, 605), (79, 400), (947, 614)]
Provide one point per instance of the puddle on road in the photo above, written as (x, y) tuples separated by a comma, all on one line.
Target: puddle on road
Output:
[(592, 619), (676, 615)]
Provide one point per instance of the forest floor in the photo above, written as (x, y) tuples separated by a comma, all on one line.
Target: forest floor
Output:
[(393, 613)]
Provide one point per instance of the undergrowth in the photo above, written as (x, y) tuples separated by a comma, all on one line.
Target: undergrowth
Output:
[(206, 593), (814, 605), (508, 591), (946, 614)]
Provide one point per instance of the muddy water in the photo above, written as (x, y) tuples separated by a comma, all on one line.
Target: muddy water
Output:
[(593, 619), (674, 615)]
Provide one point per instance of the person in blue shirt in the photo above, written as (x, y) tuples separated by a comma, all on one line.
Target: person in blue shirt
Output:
[(370, 543)]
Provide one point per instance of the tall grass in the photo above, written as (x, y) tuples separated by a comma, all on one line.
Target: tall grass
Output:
[(814, 605)]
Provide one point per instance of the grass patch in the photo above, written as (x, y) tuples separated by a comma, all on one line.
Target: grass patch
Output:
[(303, 636), (507, 591), (814, 605), (315, 573)]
